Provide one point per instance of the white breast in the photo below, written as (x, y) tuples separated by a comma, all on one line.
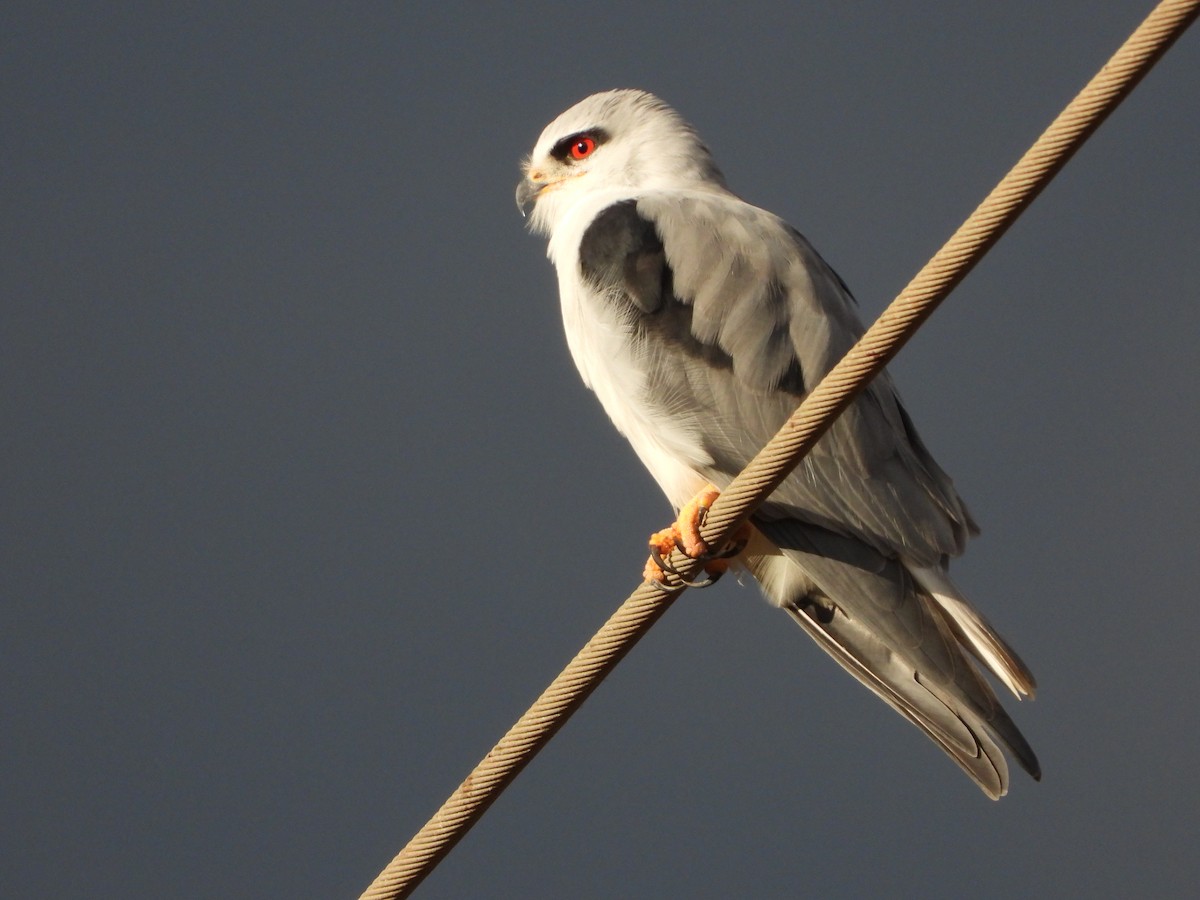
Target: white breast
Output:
[(600, 344)]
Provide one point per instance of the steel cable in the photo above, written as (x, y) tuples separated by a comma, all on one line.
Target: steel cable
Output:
[(773, 464)]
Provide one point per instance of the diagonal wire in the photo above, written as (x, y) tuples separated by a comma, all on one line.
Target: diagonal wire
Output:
[(768, 470)]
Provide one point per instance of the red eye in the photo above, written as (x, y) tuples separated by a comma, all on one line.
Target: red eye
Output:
[(583, 148)]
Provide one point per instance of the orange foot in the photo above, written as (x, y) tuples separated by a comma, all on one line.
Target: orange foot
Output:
[(685, 534)]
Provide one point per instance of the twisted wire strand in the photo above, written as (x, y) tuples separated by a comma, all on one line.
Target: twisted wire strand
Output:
[(947, 268), (768, 470)]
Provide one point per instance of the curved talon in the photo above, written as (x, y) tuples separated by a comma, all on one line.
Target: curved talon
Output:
[(698, 585), (709, 581), (684, 535), (732, 549), (665, 566)]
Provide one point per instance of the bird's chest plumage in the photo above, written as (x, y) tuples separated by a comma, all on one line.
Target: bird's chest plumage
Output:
[(612, 363)]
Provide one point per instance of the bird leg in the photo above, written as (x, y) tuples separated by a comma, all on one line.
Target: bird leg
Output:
[(684, 534)]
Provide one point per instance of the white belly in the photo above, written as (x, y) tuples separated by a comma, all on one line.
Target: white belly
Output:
[(669, 448)]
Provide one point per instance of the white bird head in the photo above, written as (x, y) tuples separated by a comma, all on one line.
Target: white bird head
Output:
[(619, 142)]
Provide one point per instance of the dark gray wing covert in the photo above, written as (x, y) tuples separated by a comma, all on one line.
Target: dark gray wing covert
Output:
[(735, 317)]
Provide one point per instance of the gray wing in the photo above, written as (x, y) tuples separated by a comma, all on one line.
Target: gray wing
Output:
[(869, 615), (735, 317)]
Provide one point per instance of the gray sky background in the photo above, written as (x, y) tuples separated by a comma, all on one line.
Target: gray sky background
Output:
[(303, 501)]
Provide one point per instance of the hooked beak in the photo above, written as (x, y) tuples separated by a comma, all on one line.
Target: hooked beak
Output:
[(527, 195)]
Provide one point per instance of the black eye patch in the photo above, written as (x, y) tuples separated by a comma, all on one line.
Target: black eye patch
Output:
[(562, 150)]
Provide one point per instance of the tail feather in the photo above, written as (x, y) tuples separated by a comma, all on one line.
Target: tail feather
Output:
[(873, 616), (970, 747), (976, 632)]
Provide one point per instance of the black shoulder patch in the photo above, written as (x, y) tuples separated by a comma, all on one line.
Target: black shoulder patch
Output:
[(621, 251)]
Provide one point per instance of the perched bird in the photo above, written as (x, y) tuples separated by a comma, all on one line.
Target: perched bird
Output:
[(700, 321)]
